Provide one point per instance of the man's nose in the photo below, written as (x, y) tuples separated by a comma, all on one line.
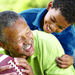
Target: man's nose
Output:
[(27, 41)]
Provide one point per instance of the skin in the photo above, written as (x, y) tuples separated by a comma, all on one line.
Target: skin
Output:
[(20, 37), (6, 67), (20, 43), (55, 22), (65, 61)]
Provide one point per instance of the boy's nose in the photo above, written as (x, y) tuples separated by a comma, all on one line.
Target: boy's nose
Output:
[(53, 27)]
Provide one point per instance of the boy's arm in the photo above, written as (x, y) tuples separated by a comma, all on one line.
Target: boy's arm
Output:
[(68, 45), (51, 48), (55, 50), (66, 39)]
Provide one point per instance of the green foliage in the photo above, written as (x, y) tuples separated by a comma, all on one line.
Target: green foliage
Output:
[(20, 5), (7, 4), (26, 4)]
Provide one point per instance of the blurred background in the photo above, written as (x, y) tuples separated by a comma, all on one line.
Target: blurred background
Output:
[(20, 5)]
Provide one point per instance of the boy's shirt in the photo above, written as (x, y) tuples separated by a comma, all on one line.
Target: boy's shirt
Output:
[(66, 37)]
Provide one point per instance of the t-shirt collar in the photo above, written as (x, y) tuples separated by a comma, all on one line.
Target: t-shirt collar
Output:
[(39, 16)]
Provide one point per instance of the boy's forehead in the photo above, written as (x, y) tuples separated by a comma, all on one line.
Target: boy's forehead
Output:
[(60, 19), (55, 11)]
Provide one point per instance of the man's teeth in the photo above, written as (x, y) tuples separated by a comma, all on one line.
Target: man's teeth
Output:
[(27, 47), (49, 29)]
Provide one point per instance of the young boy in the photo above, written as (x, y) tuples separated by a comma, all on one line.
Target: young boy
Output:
[(57, 19)]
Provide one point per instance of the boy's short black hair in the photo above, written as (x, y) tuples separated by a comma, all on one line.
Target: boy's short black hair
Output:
[(67, 8)]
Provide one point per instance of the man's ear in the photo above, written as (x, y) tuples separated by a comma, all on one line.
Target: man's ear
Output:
[(4, 46), (49, 5)]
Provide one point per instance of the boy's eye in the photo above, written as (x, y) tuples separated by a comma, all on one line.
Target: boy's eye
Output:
[(60, 27), (53, 20)]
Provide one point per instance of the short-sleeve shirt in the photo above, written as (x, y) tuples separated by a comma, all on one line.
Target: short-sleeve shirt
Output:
[(47, 48)]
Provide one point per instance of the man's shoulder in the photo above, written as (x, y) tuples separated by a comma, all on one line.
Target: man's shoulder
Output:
[(3, 51), (43, 35)]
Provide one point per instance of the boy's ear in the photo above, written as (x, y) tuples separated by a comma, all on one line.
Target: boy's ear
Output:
[(4, 46), (49, 5)]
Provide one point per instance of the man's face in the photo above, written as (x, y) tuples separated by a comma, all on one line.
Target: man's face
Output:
[(20, 39), (54, 21)]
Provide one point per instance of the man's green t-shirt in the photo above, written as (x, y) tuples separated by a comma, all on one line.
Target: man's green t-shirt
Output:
[(47, 48)]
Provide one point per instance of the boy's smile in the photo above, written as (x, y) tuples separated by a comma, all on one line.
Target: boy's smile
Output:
[(54, 21)]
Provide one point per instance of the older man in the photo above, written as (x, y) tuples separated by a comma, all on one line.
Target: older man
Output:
[(38, 50)]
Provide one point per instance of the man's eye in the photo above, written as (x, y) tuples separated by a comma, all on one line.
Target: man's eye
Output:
[(19, 40), (28, 32)]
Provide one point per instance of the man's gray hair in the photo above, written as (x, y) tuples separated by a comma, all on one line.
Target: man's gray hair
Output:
[(7, 19)]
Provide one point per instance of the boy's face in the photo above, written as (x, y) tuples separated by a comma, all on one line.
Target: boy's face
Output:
[(54, 21), (20, 39)]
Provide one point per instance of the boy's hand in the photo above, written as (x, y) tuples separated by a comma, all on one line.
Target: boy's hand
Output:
[(65, 61), (23, 62), (2, 68)]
